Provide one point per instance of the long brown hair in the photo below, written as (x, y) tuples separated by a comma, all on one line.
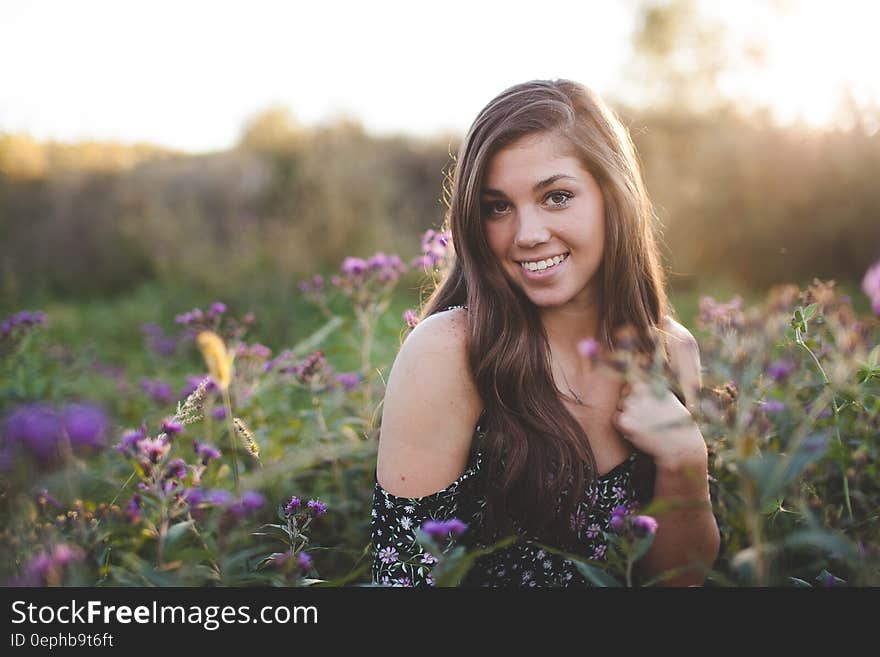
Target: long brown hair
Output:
[(535, 450)]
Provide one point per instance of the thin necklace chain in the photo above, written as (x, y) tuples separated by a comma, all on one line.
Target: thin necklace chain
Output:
[(577, 398)]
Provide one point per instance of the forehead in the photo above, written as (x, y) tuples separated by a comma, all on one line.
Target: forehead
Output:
[(532, 158)]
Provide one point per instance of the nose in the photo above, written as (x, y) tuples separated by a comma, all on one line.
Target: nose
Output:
[(532, 229)]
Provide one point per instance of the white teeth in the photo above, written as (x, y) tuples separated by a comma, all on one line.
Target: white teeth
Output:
[(543, 264)]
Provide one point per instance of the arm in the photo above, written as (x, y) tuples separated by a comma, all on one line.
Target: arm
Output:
[(430, 410), (687, 532)]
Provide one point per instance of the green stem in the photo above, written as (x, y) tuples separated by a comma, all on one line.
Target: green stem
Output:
[(801, 342), (232, 441)]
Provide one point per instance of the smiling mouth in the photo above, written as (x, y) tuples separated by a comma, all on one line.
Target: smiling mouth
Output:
[(542, 265)]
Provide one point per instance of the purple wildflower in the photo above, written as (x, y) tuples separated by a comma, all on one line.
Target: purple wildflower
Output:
[(588, 348), (46, 568), (411, 318), (871, 286), (353, 266), (157, 340), (317, 507), (313, 286), (780, 370), (422, 262), (177, 468), (644, 525), (128, 445), (37, 568), (292, 506), (720, 313), (37, 427), (22, 319), (252, 500), (85, 424), (378, 261), (249, 501), (305, 561), (773, 406), (64, 554), (154, 448), (441, 529), (256, 350), (348, 380), (219, 413), (192, 382), (133, 509), (617, 523), (44, 498), (206, 452), (219, 497), (194, 496), (159, 391), (435, 250), (217, 308), (171, 426)]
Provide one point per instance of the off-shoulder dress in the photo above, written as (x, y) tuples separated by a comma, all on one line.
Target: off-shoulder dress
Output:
[(399, 561)]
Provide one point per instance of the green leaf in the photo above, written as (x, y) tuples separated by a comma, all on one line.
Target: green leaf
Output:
[(641, 546), (822, 540), (596, 576), (799, 583), (773, 472), (592, 572), (177, 531), (455, 565), (810, 311)]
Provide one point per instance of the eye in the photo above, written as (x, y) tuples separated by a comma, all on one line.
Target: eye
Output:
[(491, 208), (560, 198)]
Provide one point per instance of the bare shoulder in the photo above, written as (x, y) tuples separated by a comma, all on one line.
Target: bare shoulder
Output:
[(430, 409), (684, 358)]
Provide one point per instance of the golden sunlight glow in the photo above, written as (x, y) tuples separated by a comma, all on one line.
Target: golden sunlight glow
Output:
[(820, 60)]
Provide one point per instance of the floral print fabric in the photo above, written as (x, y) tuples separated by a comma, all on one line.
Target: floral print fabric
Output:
[(399, 561)]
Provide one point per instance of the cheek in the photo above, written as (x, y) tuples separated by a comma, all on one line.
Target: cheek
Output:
[(498, 239)]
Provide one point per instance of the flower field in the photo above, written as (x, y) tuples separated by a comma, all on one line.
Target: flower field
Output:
[(227, 463)]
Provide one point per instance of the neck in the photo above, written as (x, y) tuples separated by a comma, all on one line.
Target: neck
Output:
[(568, 325)]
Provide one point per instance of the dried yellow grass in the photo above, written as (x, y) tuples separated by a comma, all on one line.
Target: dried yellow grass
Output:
[(218, 360)]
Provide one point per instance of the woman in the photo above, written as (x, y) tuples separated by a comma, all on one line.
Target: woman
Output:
[(491, 414)]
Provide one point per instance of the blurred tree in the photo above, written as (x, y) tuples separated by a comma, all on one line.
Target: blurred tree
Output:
[(271, 130), (22, 158), (680, 54)]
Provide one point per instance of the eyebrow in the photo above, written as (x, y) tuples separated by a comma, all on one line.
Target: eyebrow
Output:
[(538, 186)]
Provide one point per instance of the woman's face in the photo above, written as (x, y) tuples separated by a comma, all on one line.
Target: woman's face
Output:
[(544, 219)]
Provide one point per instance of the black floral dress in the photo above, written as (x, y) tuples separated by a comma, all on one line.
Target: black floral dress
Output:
[(399, 561)]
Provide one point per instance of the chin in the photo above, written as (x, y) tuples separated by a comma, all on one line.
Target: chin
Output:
[(548, 300)]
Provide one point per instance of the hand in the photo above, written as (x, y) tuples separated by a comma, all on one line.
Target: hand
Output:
[(658, 425)]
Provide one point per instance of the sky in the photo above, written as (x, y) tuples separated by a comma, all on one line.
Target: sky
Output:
[(189, 74)]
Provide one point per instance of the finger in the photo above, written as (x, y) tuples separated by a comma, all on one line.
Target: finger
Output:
[(617, 419)]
